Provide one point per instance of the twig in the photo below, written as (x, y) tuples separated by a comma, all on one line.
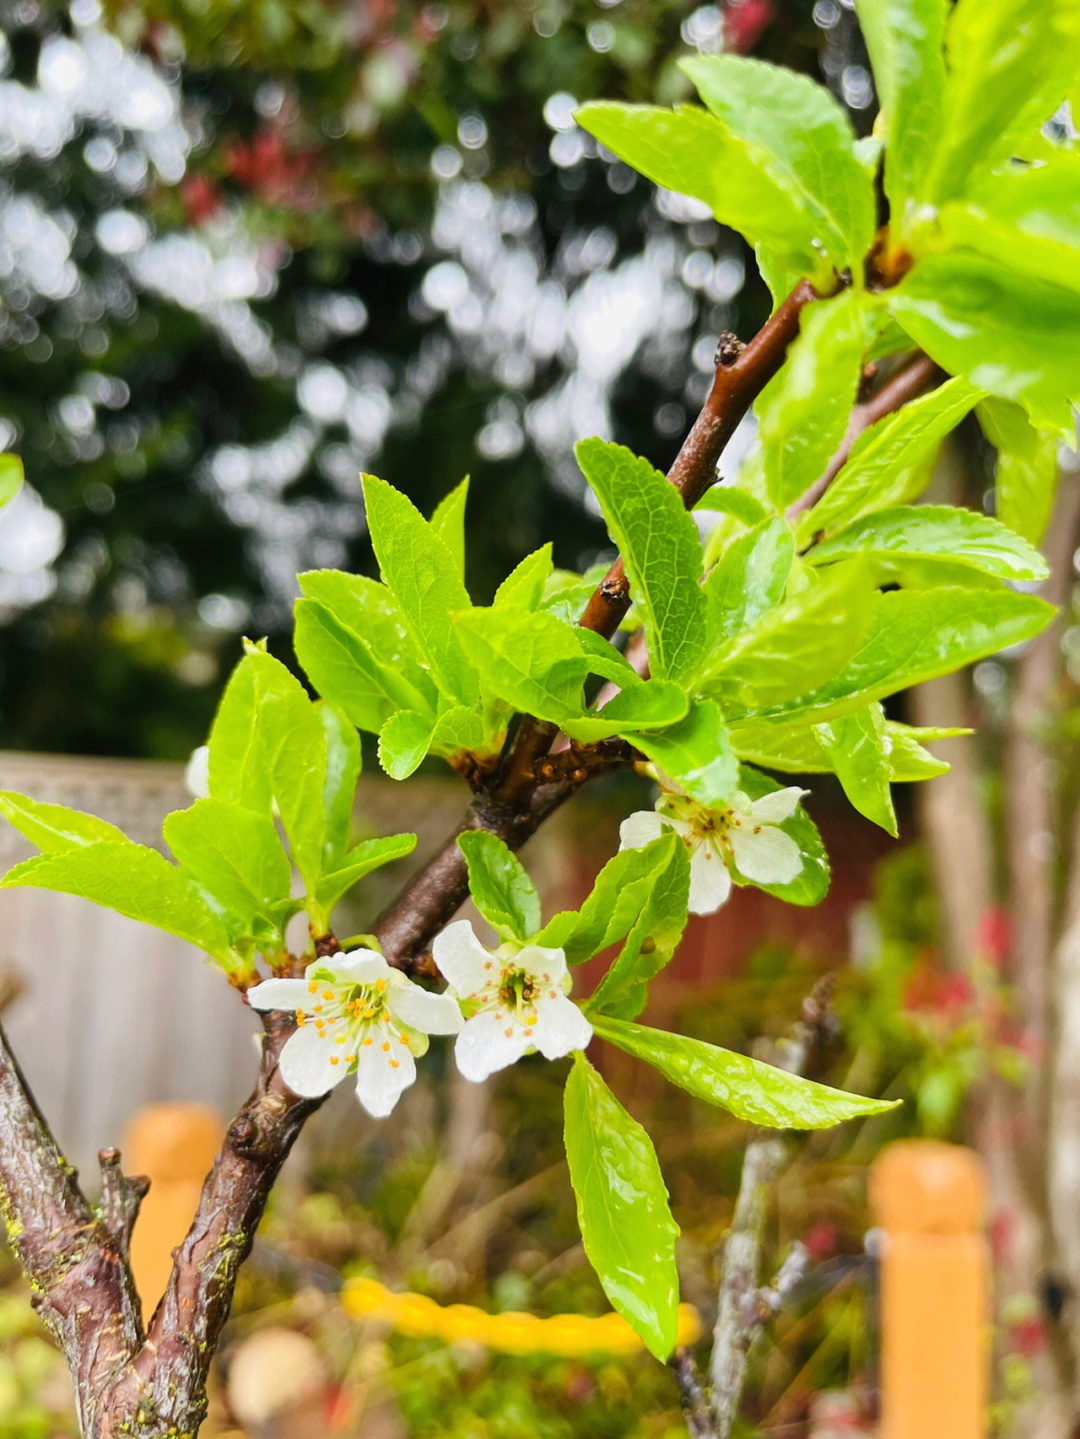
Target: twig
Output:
[(692, 1396), (121, 1196)]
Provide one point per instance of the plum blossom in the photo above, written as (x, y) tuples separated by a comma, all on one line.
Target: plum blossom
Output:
[(745, 832), (514, 1000), (356, 1015), (197, 773)]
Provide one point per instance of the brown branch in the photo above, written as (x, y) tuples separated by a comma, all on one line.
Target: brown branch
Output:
[(121, 1196)]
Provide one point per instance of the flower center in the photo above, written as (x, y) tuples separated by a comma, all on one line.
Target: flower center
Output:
[(517, 988)]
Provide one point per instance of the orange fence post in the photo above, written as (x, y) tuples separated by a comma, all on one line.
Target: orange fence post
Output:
[(928, 1197), (174, 1145)]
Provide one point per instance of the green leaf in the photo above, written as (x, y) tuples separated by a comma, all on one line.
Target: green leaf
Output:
[(501, 890), (792, 647), (795, 748), (915, 635), (696, 753), (1010, 334), (53, 827), (811, 884), (11, 477), (748, 579), (293, 747), (134, 881), (343, 764), (635, 711), (690, 151), (801, 139), (659, 543), (905, 40), (236, 769), (876, 472), (623, 1210), (369, 611), (729, 500), (365, 684), (651, 942), (804, 410), (937, 531), (1010, 66), (404, 740), (855, 744), (461, 729), (422, 575), (1042, 257), (523, 587), (1042, 201), (235, 854), (369, 854), (448, 522), (1027, 468), (755, 1092), (616, 900), (532, 661)]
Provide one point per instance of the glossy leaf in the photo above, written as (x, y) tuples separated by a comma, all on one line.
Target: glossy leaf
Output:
[(1053, 257), (343, 764), (236, 768), (364, 857), (54, 827), (650, 943), (523, 587), (134, 881), (803, 412), (1042, 201), (755, 1092), (937, 531), (730, 500), (855, 744), (501, 890), (635, 711), (11, 477), (404, 740), (801, 138), (623, 1209), (1009, 334), (748, 578), (796, 749), (235, 854), (1026, 478), (905, 41), (423, 576), (530, 660), (696, 753), (660, 547), (347, 672), (875, 474), (448, 522), (369, 611)]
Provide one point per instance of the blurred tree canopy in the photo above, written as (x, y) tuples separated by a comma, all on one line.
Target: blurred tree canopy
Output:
[(250, 249)]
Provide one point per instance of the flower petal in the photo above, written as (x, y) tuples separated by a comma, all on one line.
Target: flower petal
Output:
[(382, 1076), (776, 807), (639, 829), (279, 994), (197, 773), (560, 1027), (710, 883), (537, 961), (765, 856), (461, 959), (355, 966), (489, 1041), (305, 1063), (429, 1013)]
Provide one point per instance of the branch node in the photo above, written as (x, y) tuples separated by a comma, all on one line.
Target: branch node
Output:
[(728, 349)]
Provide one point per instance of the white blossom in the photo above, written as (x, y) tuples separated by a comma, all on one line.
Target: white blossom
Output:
[(745, 832), (514, 999), (356, 1015), (197, 773)]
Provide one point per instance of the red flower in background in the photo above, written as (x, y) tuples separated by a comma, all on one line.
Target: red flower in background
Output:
[(745, 21)]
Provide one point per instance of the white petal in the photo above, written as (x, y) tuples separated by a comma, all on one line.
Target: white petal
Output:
[(197, 773), (280, 994), (710, 883), (488, 1043), (535, 960), (379, 1085), (305, 1063), (461, 959), (776, 807), (355, 966), (640, 829), (429, 1013), (768, 857), (560, 1027)]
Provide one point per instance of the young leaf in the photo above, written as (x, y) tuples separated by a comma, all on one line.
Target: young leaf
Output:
[(366, 685), (501, 890), (795, 748), (236, 768), (423, 577), (875, 475), (905, 40), (748, 578), (651, 942), (404, 740), (448, 522), (653, 705), (135, 881), (234, 853), (623, 1210), (804, 410), (755, 1092), (343, 764), (1008, 333), (1041, 201), (369, 854), (736, 503), (523, 587), (11, 477), (696, 753), (53, 827), (368, 610), (532, 661), (856, 745), (802, 139), (659, 542), (936, 531), (1027, 468)]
